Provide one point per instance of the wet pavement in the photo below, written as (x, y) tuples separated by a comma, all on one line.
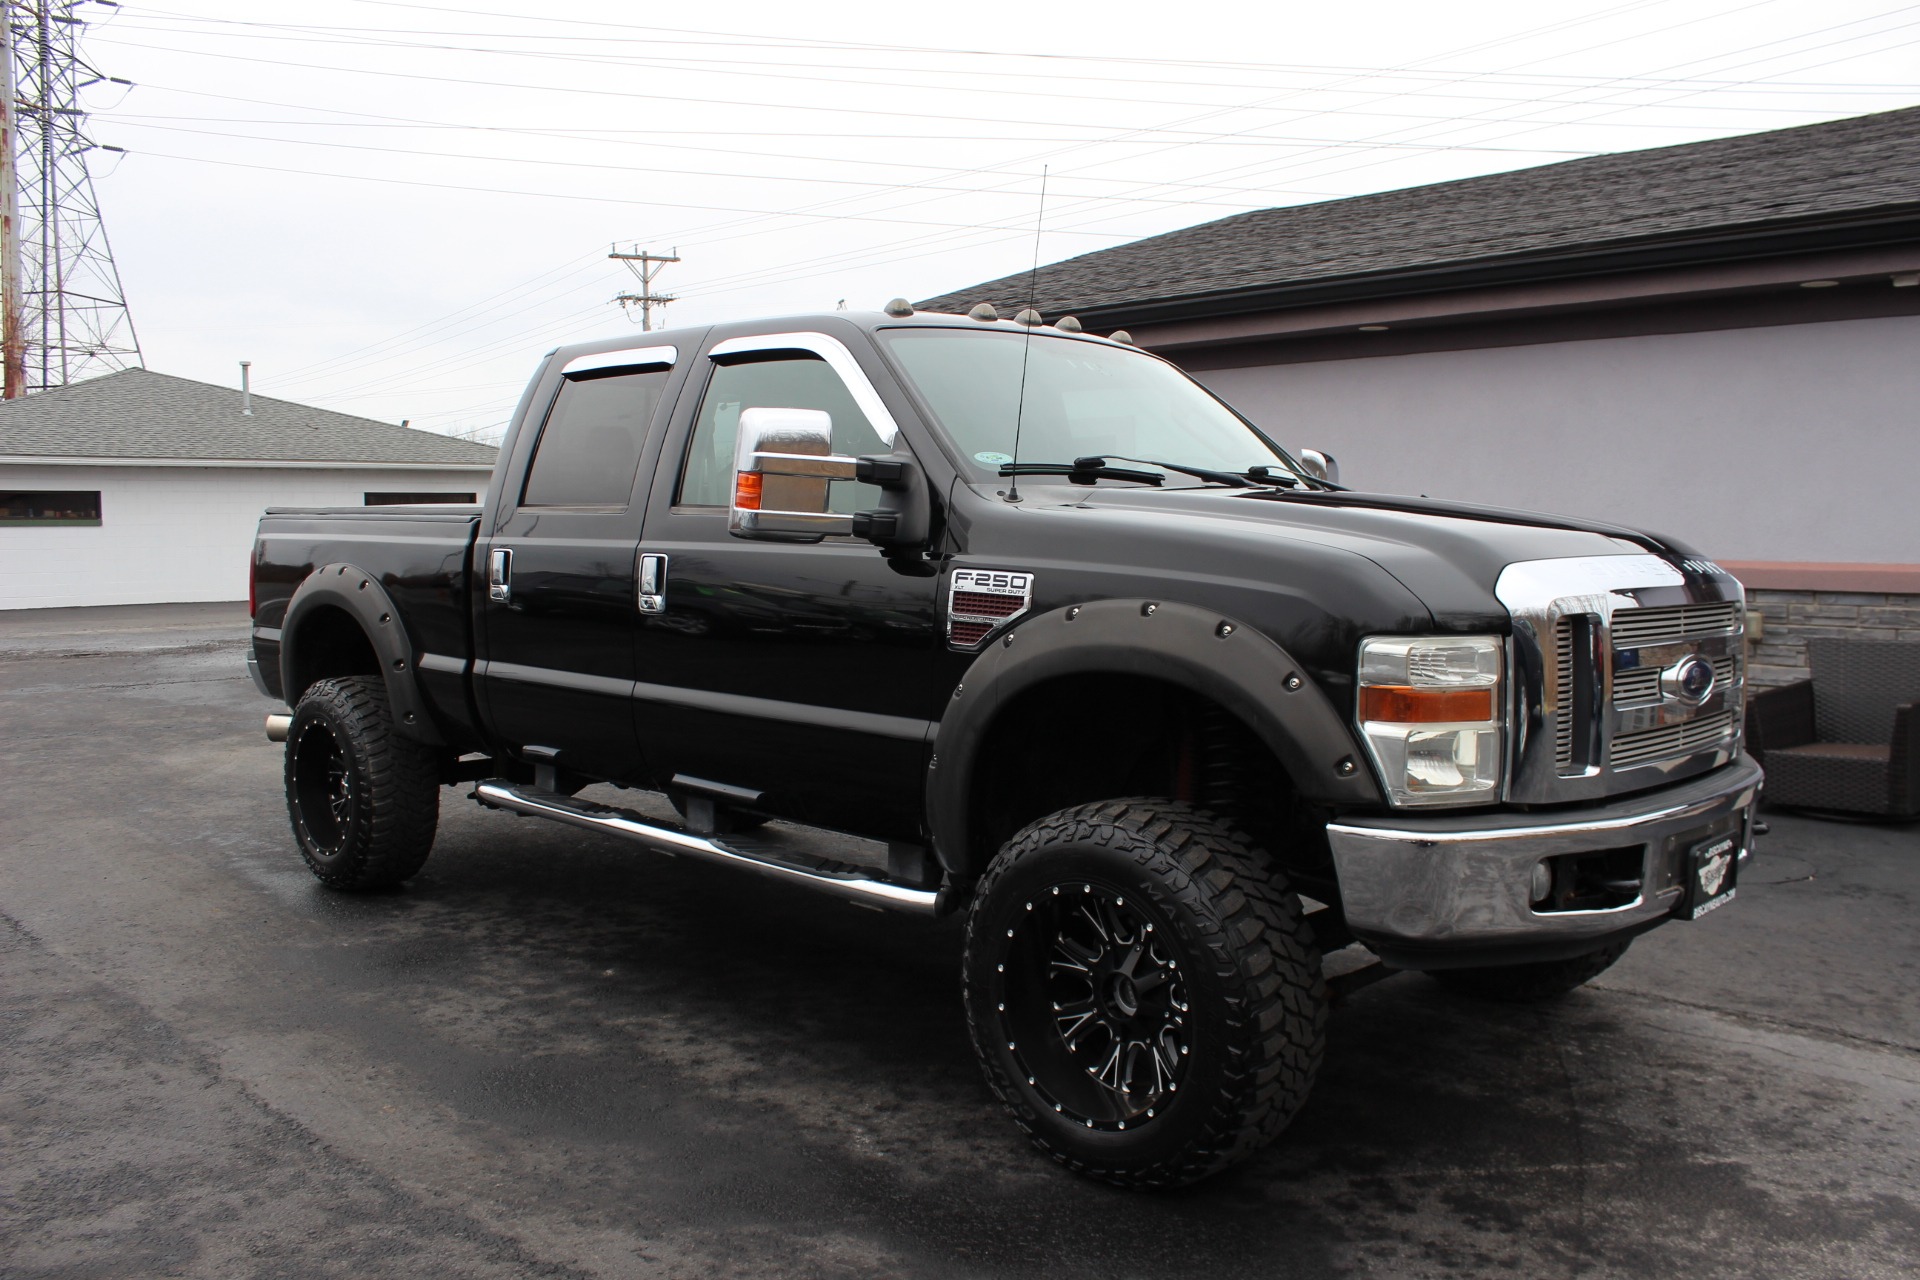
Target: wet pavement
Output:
[(552, 1055)]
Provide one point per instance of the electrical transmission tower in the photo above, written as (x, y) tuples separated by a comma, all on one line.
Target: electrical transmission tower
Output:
[(645, 266), (63, 315)]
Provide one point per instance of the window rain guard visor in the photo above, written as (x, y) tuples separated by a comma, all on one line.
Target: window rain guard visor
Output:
[(838, 358)]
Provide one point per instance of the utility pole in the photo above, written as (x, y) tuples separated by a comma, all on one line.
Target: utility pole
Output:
[(68, 309), (13, 349), (645, 266)]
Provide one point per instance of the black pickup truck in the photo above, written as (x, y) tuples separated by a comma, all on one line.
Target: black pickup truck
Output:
[(1168, 712)]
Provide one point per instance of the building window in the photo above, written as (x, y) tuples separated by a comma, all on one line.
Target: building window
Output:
[(415, 499), (50, 506)]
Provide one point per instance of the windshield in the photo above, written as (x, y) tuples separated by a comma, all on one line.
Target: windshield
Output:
[(1082, 399)]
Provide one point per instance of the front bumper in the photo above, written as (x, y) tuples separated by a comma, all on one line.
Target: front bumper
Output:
[(1439, 892)]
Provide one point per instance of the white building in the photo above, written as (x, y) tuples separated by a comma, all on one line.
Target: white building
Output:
[(140, 488)]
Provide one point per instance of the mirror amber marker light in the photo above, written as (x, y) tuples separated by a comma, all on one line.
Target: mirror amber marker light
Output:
[(746, 490)]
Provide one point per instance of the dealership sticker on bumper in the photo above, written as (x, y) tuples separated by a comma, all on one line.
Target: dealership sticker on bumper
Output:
[(1711, 866)]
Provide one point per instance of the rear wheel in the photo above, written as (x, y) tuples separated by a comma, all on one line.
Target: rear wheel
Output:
[(1532, 983), (1142, 991), (364, 801)]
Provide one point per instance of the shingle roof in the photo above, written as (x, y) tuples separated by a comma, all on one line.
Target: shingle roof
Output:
[(140, 414), (1782, 176)]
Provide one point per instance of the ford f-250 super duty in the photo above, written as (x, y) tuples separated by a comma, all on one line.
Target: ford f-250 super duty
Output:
[(1169, 713)]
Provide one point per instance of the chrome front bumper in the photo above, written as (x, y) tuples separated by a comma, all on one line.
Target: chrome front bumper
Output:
[(1432, 892)]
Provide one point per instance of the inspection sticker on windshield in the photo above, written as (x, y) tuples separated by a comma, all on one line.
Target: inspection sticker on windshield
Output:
[(992, 459)]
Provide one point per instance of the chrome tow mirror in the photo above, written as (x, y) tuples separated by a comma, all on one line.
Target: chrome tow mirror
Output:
[(1321, 466), (784, 467)]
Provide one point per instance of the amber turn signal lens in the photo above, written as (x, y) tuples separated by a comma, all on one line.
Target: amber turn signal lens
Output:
[(746, 490), (1403, 704)]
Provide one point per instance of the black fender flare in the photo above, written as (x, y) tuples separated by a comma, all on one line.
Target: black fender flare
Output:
[(360, 596), (1197, 649)]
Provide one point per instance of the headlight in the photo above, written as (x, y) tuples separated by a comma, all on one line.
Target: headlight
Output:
[(1431, 713)]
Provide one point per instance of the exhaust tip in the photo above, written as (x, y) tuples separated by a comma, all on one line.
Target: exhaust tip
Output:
[(277, 727)]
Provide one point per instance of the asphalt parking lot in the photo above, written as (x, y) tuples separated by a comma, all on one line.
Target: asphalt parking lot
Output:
[(552, 1056)]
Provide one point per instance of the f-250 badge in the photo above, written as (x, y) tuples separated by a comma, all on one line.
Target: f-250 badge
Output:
[(980, 601)]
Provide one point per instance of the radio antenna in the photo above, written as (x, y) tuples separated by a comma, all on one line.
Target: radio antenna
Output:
[(1028, 318)]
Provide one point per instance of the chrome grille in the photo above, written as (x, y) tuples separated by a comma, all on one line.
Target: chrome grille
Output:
[(1563, 694), (1637, 685), (1670, 740), (1592, 635), (1709, 628), (1633, 628)]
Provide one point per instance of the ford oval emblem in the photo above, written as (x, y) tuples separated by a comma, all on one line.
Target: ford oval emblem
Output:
[(1689, 680)]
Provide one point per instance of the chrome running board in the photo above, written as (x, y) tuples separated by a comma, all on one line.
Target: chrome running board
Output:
[(838, 879)]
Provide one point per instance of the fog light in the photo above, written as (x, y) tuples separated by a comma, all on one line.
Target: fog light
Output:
[(1542, 887)]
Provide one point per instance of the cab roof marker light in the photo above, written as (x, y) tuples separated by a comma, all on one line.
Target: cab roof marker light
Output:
[(984, 313), (899, 308)]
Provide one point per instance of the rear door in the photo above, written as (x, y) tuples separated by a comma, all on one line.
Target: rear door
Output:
[(559, 608), (799, 671)]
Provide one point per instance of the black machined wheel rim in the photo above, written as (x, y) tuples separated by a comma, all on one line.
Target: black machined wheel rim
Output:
[(323, 784), (1093, 1006)]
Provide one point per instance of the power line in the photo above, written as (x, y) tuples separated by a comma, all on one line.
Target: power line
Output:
[(570, 196), (375, 38), (897, 196), (510, 294)]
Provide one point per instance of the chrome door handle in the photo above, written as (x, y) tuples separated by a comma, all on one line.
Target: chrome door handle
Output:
[(500, 574), (653, 584)]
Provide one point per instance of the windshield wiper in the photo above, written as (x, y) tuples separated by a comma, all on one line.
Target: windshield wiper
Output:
[(1239, 479), (1081, 471)]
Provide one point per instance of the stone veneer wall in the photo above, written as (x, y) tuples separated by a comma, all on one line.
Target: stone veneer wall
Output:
[(1788, 619)]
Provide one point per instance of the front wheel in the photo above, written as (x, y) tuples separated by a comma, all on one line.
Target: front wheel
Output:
[(1531, 983), (1142, 991), (364, 801)]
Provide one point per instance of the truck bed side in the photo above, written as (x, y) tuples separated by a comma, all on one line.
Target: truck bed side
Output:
[(421, 557)]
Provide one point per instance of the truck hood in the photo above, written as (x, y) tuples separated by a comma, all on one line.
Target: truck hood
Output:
[(1448, 554)]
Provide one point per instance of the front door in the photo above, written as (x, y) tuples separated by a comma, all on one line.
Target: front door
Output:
[(800, 671), (558, 620)]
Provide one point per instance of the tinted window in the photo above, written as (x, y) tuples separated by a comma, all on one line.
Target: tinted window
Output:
[(415, 499), (786, 382), (590, 446)]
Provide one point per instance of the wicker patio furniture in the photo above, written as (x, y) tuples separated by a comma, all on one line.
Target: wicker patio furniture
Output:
[(1848, 739)]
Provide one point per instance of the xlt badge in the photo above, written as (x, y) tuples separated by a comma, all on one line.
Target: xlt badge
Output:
[(981, 600)]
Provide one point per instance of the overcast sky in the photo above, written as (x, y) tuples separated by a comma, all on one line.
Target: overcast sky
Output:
[(394, 209)]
